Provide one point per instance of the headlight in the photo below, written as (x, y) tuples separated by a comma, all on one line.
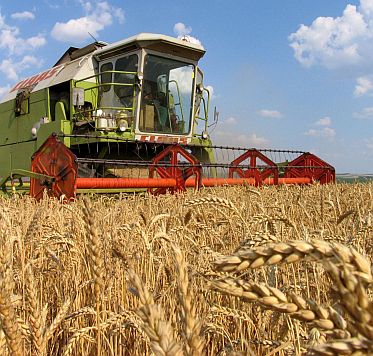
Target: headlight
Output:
[(122, 125), (205, 135)]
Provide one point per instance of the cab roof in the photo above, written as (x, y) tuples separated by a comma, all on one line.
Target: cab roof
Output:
[(165, 44)]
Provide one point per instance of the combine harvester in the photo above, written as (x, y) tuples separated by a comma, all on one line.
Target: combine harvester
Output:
[(130, 115)]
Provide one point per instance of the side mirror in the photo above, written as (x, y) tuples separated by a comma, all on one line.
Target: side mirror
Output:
[(138, 79), (199, 88)]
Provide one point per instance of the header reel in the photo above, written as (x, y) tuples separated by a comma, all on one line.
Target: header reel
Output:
[(59, 172)]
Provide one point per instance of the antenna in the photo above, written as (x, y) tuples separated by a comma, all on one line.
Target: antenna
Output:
[(92, 36), (216, 115)]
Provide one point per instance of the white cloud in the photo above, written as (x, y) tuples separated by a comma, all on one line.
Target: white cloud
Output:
[(334, 42), (366, 113), (326, 132), (119, 14), (369, 143), (229, 138), (52, 6), (367, 7), (210, 88), (363, 86), (25, 15), (183, 32), (36, 41), (325, 121), (9, 69), (30, 61), (98, 16), (11, 40), (4, 90), (254, 140), (86, 5), (230, 120), (12, 69), (2, 21), (273, 114), (13, 46)]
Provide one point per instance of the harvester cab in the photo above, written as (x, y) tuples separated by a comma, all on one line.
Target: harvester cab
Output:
[(145, 88), (132, 114)]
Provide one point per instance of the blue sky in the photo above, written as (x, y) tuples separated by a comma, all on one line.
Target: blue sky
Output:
[(285, 74)]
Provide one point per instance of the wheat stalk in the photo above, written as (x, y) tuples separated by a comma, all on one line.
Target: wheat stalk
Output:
[(229, 312), (7, 312), (96, 263), (219, 202), (57, 321)]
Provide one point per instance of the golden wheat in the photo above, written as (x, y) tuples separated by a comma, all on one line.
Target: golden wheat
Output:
[(69, 285)]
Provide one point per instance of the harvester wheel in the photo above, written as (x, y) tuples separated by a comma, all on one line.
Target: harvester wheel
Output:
[(254, 171), (310, 166), (54, 159), (167, 165)]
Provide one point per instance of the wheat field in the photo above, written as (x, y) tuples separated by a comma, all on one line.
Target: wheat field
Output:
[(229, 271)]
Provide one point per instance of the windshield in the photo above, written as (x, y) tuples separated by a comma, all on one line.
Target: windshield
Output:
[(167, 96), (119, 91)]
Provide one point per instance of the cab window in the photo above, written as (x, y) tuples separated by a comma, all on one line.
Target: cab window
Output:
[(124, 88), (167, 96), (22, 105), (106, 77)]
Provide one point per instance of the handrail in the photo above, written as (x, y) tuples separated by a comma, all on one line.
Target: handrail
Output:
[(99, 85), (206, 111), (180, 100), (101, 73)]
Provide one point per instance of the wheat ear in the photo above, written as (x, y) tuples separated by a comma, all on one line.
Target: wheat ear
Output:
[(192, 326), (293, 251), (353, 346), (354, 299), (96, 263), (35, 315), (158, 329), (273, 298), (94, 250)]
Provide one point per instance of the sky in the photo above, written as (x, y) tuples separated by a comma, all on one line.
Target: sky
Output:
[(284, 74)]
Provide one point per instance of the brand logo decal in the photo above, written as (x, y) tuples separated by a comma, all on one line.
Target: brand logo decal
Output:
[(37, 78), (164, 139)]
